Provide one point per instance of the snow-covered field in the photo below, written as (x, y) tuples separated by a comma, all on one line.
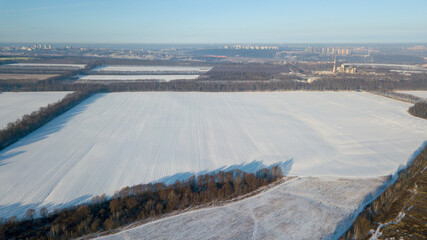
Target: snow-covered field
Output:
[(14, 105), (90, 78), (303, 208), (113, 140), (44, 65), (169, 69), (421, 94)]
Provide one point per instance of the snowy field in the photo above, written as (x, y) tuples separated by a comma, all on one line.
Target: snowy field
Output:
[(152, 69), (90, 78), (421, 94), (303, 208), (14, 105), (44, 65), (113, 140)]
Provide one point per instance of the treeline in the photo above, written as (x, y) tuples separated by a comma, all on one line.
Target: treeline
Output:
[(250, 76), (136, 203), (419, 109), (55, 83), (68, 75), (399, 96), (333, 83), (30, 122), (392, 201)]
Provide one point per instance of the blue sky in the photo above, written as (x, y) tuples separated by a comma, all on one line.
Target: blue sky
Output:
[(213, 21)]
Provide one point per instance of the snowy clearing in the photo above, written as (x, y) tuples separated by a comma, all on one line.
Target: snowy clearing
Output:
[(114, 140), (14, 105), (43, 65), (421, 94), (152, 69), (90, 78), (302, 208)]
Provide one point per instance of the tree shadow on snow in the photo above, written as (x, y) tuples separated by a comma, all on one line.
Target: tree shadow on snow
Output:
[(251, 167), (19, 209), (4, 156), (53, 126)]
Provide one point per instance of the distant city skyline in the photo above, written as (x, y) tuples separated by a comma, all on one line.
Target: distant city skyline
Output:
[(206, 21)]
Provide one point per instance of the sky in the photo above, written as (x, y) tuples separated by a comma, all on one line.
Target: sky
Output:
[(213, 21)]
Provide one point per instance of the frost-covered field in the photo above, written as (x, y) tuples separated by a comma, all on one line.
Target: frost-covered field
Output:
[(90, 78), (421, 94), (14, 105), (171, 69), (303, 208), (43, 65), (114, 140)]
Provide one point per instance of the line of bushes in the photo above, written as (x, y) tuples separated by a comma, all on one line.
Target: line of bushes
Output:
[(136, 203)]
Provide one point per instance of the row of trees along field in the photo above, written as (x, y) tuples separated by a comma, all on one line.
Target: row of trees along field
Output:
[(330, 83), (136, 203), (30, 122), (419, 109)]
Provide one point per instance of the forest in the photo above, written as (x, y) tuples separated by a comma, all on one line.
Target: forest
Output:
[(142, 202)]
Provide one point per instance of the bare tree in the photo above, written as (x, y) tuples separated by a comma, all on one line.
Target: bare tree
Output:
[(30, 213), (44, 212)]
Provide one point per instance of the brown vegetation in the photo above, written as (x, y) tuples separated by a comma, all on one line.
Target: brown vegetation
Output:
[(140, 202)]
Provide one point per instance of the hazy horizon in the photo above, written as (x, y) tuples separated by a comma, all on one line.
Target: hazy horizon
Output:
[(205, 22)]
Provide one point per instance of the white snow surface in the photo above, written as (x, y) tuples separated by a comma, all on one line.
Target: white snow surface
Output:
[(14, 105), (89, 78), (153, 68), (302, 208), (115, 140), (50, 65), (421, 94)]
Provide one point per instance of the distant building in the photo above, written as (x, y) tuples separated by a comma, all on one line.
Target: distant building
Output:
[(309, 50), (346, 68), (257, 47)]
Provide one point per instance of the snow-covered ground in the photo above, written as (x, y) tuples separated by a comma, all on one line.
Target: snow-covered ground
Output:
[(90, 78), (14, 105), (171, 69), (44, 65), (421, 94), (302, 208), (113, 140)]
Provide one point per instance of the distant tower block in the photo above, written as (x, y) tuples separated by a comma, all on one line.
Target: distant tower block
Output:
[(335, 64)]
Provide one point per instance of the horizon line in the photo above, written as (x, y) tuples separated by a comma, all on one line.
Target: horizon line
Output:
[(210, 43)]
